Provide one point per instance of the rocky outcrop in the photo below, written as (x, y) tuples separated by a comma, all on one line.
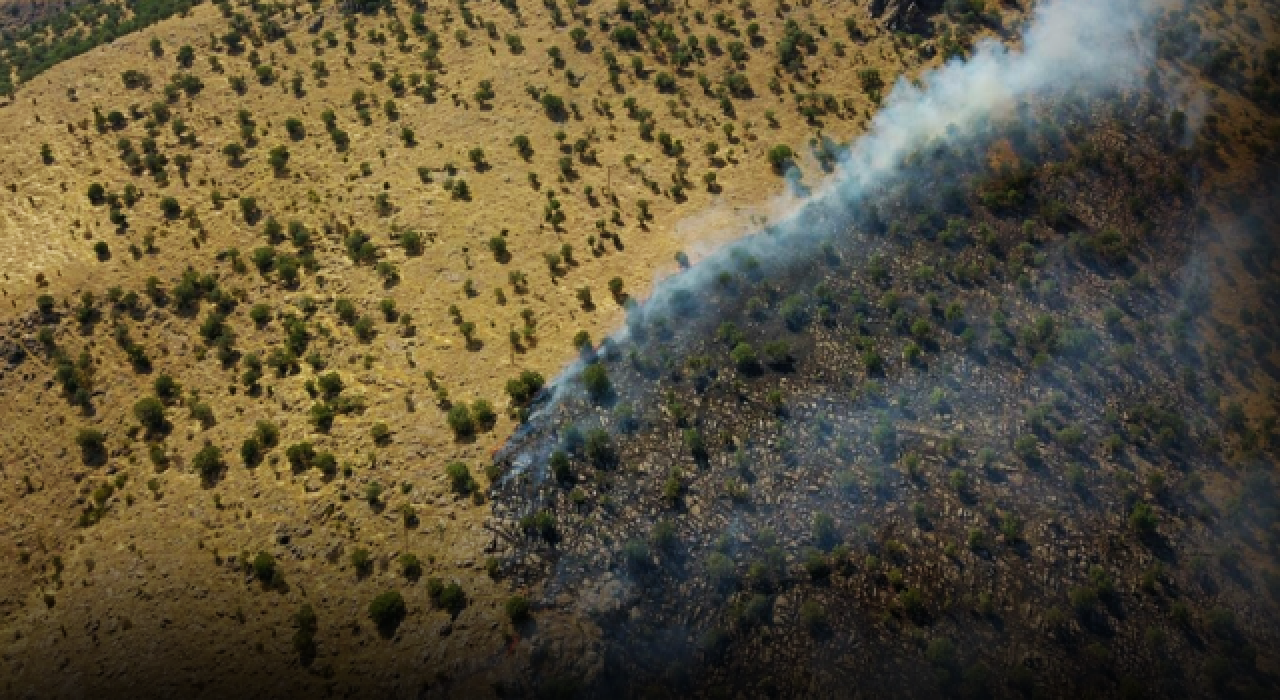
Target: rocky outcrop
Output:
[(906, 15)]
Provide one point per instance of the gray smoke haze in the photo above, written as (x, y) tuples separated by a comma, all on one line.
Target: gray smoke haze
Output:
[(1070, 54), (1068, 46)]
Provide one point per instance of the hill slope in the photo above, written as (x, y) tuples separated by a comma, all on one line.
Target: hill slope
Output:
[(230, 372)]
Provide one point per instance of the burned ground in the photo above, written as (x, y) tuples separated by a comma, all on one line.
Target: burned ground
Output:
[(967, 440)]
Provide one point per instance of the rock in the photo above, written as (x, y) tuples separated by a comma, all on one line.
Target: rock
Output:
[(905, 15)]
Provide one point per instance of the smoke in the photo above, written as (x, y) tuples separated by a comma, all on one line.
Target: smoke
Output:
[(1073, 47), (1069, 53)]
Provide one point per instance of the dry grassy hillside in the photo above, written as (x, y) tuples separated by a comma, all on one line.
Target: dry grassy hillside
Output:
[(130, 547), (268, 269)]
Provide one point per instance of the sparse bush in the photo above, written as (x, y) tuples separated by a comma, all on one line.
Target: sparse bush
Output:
[(208, 463), (412, 242), (304, 638), (635, 554), (553, 105), (264, 568), (330, 384), (300, 456), (825, 535), (361, 561), (517, 609), (1143, 519), (267, 433), (447, 596), (523, 146), (460, 480), (813, 616), (780, 157), (278, 158), (483, 414), (559, 464), (941, 651), (410, 566), (345, 309), (596, 380), (150, 413), (387, 611), (498, 246), (364, 329), (251, 452), (92, 444), (744, 358), (1026, 446), (170, 208)]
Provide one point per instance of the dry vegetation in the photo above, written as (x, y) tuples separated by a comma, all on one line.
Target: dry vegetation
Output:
[(150, 121), (961, 447), (270, 270)]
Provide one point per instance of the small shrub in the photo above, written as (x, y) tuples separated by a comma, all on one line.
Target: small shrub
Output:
[(780, 157), (596, 380), (460, 480), (447, 596), (150, 413), (517, 609), (170, 208), (304, 638), (208, 463), (361, 561), (410, 566), (264, 568), (1143, 519), (461, 421), (92, 443), (483, 414), (813, 616), (387, 611)]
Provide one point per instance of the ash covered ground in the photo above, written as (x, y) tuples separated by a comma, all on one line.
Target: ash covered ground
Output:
[(964, 436)]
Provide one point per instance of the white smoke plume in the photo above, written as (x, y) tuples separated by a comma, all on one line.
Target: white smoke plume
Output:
[(1067, 46)]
